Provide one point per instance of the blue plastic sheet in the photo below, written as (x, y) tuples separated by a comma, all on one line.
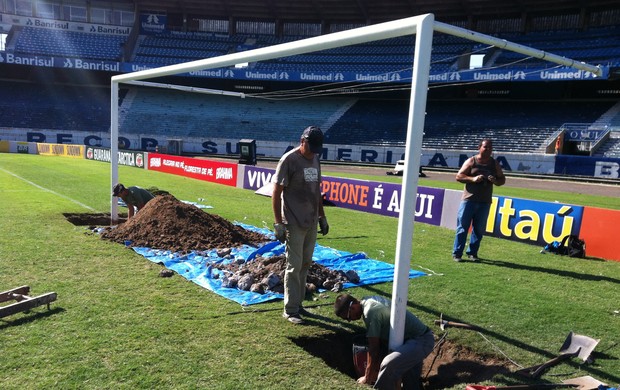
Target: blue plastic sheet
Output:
[(198, 266)]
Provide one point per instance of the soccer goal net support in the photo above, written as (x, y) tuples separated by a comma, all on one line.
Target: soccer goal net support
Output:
[(422, 27)]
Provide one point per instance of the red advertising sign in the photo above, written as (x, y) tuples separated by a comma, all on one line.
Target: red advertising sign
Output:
[(214, 171)]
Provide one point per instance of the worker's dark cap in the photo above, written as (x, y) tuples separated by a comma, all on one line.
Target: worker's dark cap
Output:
[(341, 306), (314, 136), (117, 189)]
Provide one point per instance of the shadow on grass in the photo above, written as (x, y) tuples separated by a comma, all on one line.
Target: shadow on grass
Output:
[(334, 349), (30, 317), (345, 237), (566, 274), (275, 309)]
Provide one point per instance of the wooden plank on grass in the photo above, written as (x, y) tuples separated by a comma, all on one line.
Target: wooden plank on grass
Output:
[(27, 304), (9, 295)]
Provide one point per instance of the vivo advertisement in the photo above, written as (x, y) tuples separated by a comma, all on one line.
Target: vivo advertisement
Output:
[(382, 198), (362, 195)]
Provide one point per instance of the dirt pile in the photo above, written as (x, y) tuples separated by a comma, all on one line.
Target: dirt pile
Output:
[(169, 224)]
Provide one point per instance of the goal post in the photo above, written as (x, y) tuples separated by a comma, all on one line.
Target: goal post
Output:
[(422, 27)]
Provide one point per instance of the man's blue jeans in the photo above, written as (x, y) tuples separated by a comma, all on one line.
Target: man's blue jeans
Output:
[(473, 214)]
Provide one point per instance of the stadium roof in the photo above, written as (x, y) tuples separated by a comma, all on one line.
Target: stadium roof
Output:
[(369, 11)]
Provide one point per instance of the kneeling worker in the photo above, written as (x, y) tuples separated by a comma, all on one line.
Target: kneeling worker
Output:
[(132, 196), (405, 362)]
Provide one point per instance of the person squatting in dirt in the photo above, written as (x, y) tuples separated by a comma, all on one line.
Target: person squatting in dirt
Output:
[(133, 197), (479, 173), (400, 366), (297, 208)]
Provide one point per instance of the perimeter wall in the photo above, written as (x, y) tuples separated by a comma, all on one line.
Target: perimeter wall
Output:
[(528, 221), (531, 163)]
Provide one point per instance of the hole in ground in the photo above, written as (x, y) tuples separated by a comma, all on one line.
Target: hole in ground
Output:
[(447, 366), (91, 219)]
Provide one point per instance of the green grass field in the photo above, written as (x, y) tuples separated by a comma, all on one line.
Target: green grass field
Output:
[(118, 325)]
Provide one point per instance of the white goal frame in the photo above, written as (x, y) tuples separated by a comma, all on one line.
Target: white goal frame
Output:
[(422, 27)]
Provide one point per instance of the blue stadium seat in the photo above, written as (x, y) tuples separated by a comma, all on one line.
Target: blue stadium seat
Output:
[(50, 42)]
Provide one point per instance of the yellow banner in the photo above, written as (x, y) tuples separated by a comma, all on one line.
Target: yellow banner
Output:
[(4, 146), (73, 151)]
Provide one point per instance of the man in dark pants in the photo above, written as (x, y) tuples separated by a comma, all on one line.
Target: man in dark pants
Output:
[(479, 173)]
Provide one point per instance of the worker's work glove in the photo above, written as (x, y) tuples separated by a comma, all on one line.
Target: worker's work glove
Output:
[(323, 225), (280, 231)]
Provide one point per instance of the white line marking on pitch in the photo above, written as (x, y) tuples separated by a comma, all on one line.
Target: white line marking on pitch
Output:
[(48, 190)]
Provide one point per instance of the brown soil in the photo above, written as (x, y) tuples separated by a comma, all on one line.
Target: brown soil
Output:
[(169, 224)]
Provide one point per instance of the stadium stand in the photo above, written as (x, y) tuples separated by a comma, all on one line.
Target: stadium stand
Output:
[(459, 124), (45, 41), (382, 56), (363, 121), (598, 46), (183, 114), (176, 47), (611, 148), (517, 125), (33, 106), (174, 114)]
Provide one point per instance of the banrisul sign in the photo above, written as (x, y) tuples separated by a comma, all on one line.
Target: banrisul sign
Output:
[(125, 157)]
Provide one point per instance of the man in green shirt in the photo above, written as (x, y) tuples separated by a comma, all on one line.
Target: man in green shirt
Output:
[(133, 197), (405, 362)]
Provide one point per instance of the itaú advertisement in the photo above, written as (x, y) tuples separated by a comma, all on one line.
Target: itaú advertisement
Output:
[(533, 221), (208, 170)]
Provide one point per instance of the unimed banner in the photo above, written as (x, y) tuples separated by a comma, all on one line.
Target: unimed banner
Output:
[(214, 171)]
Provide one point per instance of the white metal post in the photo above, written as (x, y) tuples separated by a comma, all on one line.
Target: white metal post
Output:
[(517, 48), (113, 150), (408, 196)]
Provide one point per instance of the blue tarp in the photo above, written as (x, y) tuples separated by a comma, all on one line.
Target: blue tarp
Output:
[(198, 266)]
